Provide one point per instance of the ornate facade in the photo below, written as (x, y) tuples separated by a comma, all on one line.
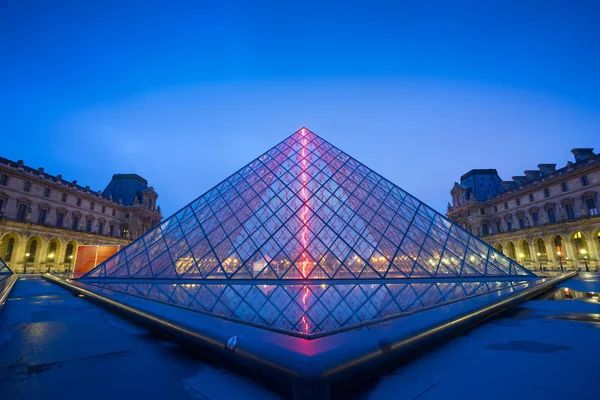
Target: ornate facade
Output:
[(546, 219), (43, 218)]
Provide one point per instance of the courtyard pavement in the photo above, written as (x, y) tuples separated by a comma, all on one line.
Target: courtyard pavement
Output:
[(542, 349), (54, 345)]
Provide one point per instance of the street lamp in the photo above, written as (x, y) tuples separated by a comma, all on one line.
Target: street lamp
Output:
[(583, 253), (26, 260), (560, 260), (540, 260)]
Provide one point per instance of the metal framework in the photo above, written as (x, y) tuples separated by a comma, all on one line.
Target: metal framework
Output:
[(306, 210), (5, 272)]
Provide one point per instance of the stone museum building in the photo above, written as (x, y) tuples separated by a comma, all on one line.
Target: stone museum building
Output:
[(546, 219), (44, 218)]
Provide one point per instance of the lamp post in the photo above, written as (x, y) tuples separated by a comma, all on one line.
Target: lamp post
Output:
[(559, 254), (583, 253), (51, 259), (540, 260), (25, 264)]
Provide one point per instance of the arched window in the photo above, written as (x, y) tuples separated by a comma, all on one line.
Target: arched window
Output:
[(510, 247), (540, 247), (69, 253), (51, 254), (8, 251), (559, 248), (580, 244), (30, 255), (498, 247), (525, 253)]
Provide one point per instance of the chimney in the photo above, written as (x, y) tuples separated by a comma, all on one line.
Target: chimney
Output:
[(532, 174), (547, 169), (582, 155), (519, 180)]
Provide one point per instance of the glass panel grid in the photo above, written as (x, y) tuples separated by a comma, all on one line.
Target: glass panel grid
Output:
[(299, 202)]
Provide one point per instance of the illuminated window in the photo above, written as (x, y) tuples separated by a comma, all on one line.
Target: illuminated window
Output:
[(31, 251), (580, 244), (540, 247), (68, 254), (558, 245), (590, 203), (51, 253), (526, 254)]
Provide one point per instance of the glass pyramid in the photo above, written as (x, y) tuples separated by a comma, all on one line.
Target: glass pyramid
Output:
[(306, 210), (5, 272)]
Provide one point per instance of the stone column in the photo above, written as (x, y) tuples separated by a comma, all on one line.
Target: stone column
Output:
[(18, 256)]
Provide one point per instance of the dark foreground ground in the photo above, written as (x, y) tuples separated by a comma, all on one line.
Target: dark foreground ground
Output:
[(54, 345)]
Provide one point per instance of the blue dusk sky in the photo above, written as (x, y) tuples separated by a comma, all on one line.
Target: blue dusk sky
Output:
[(185, 93)]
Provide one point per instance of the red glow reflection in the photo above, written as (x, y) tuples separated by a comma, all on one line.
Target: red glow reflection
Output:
[(305, 261)]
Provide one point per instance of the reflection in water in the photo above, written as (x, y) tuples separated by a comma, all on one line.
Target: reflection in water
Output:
[(569, 294), (308, 309)]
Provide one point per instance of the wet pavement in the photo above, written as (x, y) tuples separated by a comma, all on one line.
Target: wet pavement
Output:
[(54, 345), (546, 349)]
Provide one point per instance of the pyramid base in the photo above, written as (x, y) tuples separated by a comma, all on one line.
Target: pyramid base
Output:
[(318, 368)]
